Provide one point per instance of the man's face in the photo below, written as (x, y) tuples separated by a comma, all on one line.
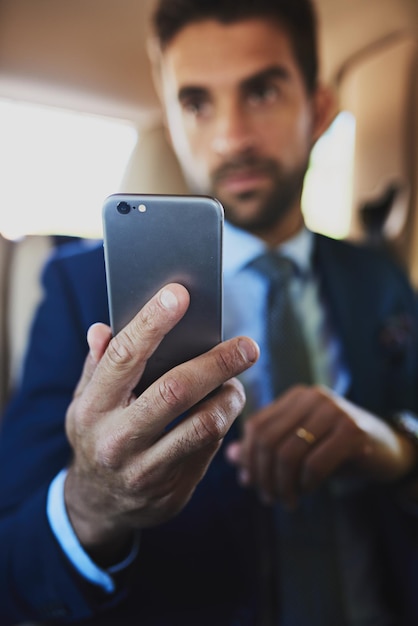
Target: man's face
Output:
[(240, 118)]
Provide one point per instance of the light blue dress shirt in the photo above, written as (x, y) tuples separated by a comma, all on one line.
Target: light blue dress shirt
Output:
[(64, 533), (245, 302)]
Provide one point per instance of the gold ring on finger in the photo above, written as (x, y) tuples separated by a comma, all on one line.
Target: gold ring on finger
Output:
[(305, 435)]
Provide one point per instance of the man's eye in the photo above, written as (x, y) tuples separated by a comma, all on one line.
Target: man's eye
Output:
[(264, 94), (196, 108)]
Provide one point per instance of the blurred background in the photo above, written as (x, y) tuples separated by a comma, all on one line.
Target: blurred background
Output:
[(79, 118)]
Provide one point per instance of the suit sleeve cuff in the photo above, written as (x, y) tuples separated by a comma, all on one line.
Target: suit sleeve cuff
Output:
[(66, 537)]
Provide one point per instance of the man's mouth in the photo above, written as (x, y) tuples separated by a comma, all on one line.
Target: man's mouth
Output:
[(242, 181)]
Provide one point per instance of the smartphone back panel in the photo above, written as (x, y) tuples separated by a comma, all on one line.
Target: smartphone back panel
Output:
[(152, 240)]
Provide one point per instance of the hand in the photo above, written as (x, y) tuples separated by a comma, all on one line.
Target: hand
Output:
[(283, 462), (128, 472)]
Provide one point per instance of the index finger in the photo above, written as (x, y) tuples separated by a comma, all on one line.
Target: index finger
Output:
[(187, 384), (127, 353)]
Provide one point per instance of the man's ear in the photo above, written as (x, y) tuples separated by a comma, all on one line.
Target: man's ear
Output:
[(325, 109), (155, 58)]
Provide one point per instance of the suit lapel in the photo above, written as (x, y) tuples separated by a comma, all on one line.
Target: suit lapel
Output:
[(353, 316)]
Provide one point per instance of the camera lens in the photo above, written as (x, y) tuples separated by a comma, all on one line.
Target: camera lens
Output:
[(123, 207)]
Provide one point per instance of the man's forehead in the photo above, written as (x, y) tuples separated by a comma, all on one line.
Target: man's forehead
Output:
[(209, 51)]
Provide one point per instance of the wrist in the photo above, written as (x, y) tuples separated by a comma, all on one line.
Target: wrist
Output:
[(391, 455), (103, 540), (406, 423)]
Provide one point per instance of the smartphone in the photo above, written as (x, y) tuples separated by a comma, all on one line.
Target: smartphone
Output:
[(152, 240)]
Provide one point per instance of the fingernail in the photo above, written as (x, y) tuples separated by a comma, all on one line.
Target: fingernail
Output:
[(168, 299), (249, 350), (232, 452)]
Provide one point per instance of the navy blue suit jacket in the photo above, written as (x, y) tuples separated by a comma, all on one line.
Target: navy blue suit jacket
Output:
[(200, 568)]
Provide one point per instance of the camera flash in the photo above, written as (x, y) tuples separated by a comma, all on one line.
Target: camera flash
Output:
[(142, 208)]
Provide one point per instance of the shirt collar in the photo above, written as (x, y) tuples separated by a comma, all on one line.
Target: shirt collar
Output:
[(241, 247)]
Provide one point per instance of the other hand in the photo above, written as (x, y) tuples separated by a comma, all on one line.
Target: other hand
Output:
[(308, 435)]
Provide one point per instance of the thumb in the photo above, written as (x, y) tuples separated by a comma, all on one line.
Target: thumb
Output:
[(98, 337)]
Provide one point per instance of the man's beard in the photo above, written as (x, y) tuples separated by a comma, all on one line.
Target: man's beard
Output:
[(286, 189)]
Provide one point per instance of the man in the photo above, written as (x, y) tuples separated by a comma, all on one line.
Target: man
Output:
[(304, 516)]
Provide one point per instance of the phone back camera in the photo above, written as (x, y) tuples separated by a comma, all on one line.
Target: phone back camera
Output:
[(123, 207)]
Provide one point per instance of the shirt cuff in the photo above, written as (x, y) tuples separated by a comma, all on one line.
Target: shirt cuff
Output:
[(67, 539)]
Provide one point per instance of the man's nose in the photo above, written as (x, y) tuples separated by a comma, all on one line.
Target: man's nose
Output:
[(234, 132)]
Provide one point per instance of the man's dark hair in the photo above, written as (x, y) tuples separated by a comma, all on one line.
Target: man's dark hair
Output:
[(297, 17)]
